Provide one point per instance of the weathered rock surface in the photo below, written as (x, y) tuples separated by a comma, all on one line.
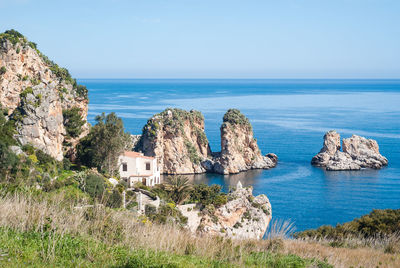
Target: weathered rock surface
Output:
[(35, 94), (177, 139), (239, 149), (358, 152), (243, 217)]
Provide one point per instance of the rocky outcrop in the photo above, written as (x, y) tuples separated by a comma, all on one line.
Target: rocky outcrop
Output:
[(358, 152), (239, 149), (242, 217), (177, 139), (36, 91)]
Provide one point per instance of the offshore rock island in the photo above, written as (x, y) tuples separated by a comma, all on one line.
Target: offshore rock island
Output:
[(178, 141), (358, 152)]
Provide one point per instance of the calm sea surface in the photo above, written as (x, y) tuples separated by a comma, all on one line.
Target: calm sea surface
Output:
[(289, 118)]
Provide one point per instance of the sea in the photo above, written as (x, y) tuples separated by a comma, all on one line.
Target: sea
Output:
[(289, 118)]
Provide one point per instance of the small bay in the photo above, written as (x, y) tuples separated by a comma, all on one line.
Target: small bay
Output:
[(289, 118)]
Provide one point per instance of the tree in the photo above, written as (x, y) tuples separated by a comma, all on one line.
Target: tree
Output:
[(73, 122), (178, 187), (8, 160), (94, 185), (104, 143)]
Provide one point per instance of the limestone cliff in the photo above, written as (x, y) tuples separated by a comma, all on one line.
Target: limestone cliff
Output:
[(36, 91), (358, 152), (239, 149), (177, 139), (243, 216)]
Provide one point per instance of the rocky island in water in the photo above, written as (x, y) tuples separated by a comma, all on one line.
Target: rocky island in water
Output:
[(358, 152), (178, 141)]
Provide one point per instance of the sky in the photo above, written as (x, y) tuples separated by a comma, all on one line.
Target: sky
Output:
[(213, 38)]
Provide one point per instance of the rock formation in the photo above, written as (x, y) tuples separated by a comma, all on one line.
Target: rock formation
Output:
[(243, 217), (36, 91), (239, 149), (177, 139), (358, 152)]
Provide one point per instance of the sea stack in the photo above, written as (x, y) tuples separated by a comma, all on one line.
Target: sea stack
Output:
[(239, 149), (358, 152), (177, 139), (36, 91)]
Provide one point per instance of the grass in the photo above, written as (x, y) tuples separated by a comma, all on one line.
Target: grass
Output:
[(38, 249), (47, 232)]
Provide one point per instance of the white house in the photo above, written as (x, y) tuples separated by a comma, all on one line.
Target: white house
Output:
[(135, 167)]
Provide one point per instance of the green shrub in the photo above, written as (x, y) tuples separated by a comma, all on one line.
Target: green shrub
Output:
[(234, 116), (205, 195), (94, 185), (82, 91), (3, 70), (73, 122), (380, 222)]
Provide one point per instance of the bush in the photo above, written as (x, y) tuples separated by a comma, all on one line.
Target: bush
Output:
[(3, 70), (208, 195), (115, 199), (94, 185), (380, 222), (234, 116)]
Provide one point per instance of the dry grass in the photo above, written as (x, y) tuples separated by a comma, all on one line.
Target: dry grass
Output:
[(119, 227), (342, 257)]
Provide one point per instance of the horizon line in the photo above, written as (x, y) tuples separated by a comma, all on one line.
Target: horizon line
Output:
[(227, 78)]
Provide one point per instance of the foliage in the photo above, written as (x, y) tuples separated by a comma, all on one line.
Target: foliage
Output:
[(8, 160), (114, 200), (63, 74), (105, 142), (94, 185), (208, 195), (234, 116), (178, 188), (380, 222), (73, 122), (167, 213), (3, 70), (173, 120), (194, 157), (82, 91)]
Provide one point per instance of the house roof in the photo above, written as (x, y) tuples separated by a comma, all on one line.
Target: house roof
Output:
[(136, 154)]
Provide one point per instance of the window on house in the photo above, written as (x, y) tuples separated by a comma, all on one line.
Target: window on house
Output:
[(147, 166), (124, 167)]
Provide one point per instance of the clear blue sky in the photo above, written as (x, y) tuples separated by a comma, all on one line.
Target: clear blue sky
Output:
[(213, 38)]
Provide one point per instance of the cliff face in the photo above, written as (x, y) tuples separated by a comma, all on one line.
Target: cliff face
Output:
[(177, 139), (35, 91), (358, 152), (243, 217), (239, 149)]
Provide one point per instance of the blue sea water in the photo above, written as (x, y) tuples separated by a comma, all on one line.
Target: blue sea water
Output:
[(289, 118)]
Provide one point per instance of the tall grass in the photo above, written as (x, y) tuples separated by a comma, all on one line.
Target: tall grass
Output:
[(55, 219)]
